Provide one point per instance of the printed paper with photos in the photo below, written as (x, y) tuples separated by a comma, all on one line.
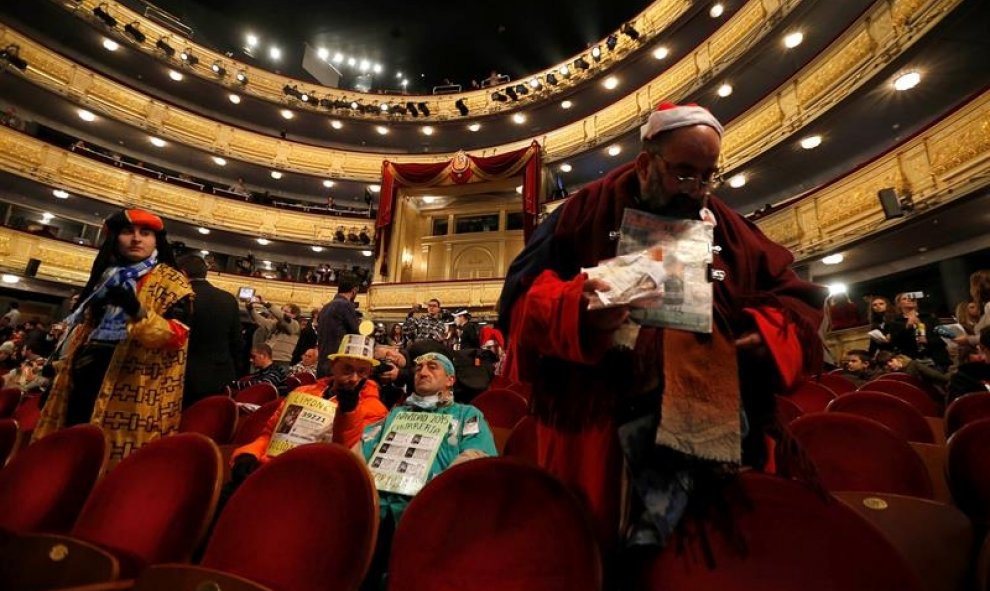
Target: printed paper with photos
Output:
[(401, 463), (686, 247), (304, 419)]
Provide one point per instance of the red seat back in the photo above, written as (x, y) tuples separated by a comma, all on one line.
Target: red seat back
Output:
[(522, 443), (213, 416), (853, 453), (9, 436), (314, 513), (549, 544), (291, 383), (787, 410), (305, 377), (502, 408), (891, 411), (965, 410), (790, 538), (28, 412), (155, 505), (9, 399), (914, 396), (968, 469), (836, 383), (897, 376), (811, 396), (251, 426), (44, 486), (257, 394)]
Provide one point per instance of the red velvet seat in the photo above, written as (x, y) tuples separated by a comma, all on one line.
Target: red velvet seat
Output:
[(503, 409), (811, 396), (968, 469), (787, 410), (44, 486), (792, 540), (28, 412), (257, 394), (251, 426), (913, 395), (933, 392), (490, 525), (9, 437), (305, 377), (291, 383), (836, 383), (522, 444), (891, 411), (853, 453), (305, 521), (213, 416), (9, 399), (965, 410)]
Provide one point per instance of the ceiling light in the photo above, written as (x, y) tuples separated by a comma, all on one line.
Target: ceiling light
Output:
[(188, 57), (566, 104), (833, 259), (323, 53), (354, 105), (534, 82), (427, 199), (9, 279), (351, 62), (274, 53), (328, 183), (317, 248), (724, 90), (377, 68), (382, 130), (519, 119), (263, 241), (837, 288), (596, 53), (338, 57), (218, 69), (177, 76), (716, 10), (907, 81), (287, 114), (519, 189), (565, 167), (60, 194), (367, 253), (110, 45), (614, 150), (737, 181), (427, 130), (564, 70), (276, 175), (86, 115), (660, 52), (203, 231), (252, 40), (336, 124), (792, 40), (204, 252), (47, 217), (374, 188), (157, 142), (304, 97), (811, 142), (611, 82), (220, 161), (474, 127), (242, 77), (234, 98), (364, 66)]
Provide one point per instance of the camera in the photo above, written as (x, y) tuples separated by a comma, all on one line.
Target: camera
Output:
[(384, 366)]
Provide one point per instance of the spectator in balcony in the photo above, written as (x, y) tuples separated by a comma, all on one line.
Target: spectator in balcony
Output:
[(125, 357), (493, 79), (239, 187), (352, 234), (340, 235), (365, 236), (331, 205)]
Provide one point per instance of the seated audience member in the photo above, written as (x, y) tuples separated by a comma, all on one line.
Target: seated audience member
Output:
[(857, 366), (974, 374), (27, 376), (307, 363), (265, 370), (903, 363), (358, 404), (979, 290)]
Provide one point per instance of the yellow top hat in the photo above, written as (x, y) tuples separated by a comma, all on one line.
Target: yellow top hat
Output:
[(356, 346)]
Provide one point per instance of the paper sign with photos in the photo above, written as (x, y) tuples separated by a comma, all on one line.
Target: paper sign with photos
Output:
[(401, 463), (305, 419), (686, 255)]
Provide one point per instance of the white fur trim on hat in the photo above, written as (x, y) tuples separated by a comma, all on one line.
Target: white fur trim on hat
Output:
[(668, 116)]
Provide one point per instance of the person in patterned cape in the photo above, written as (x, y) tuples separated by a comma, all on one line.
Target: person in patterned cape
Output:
[(123, 360)]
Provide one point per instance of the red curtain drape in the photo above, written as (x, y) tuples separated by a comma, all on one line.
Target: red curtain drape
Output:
[(462, 169)]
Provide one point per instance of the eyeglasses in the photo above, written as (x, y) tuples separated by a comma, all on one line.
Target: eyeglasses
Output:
[(705, 183)]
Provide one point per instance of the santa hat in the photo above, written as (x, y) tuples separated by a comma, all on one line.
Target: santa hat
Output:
[(669, 116)]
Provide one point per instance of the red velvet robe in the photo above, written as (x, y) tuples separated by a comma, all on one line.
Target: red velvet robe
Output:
[(582, 386)]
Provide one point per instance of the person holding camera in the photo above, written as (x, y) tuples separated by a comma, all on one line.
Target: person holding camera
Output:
[(911, 332), (280, 325)]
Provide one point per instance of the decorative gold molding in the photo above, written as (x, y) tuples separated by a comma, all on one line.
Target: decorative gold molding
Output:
[(30, 158), (650, 23), (947, 161)]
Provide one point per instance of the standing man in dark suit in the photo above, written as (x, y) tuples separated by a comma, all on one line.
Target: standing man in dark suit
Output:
[(337, 318), (214, 335)]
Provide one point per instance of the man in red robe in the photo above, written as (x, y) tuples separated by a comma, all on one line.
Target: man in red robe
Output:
[(681, 410)]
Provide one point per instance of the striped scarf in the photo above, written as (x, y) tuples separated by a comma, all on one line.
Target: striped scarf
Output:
[(113, 325)]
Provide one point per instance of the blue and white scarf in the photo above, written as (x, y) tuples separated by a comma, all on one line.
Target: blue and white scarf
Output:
[(113, 326)]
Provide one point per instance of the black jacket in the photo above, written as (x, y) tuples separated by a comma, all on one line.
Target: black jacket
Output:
[(214, 342), (337, 318)]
